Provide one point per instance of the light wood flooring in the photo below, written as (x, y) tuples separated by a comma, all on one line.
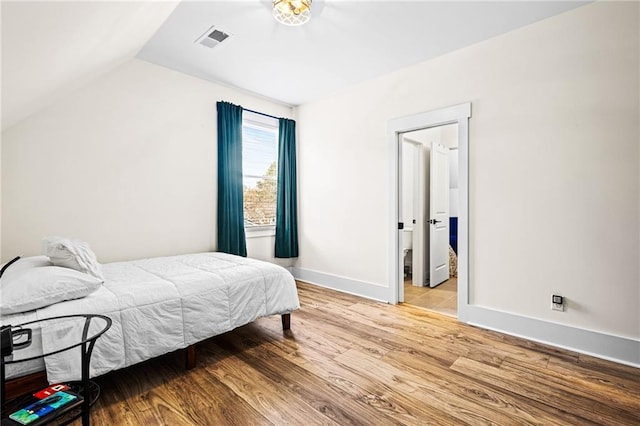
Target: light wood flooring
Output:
[(351, 361), (442, 299)]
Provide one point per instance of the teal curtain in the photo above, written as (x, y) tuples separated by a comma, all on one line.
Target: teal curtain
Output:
[(230, 229), (286, 201)]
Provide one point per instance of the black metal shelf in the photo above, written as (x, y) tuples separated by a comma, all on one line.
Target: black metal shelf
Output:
[(88, 391)]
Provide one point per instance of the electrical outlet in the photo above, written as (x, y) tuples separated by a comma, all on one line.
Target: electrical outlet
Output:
[(557, 303)]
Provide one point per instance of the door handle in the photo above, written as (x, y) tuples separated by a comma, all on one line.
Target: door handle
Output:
[(434, 221)]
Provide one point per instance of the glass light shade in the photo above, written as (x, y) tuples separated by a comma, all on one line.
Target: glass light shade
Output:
[(292, 12)]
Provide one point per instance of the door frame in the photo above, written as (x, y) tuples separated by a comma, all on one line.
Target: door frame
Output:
[(457, 114)]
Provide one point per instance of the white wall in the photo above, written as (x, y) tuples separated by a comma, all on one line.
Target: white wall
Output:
[(554, 187), (1, 199), (127, 164), (0, 149)]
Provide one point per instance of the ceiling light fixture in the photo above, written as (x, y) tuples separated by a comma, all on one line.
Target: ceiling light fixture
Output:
[(292, 12)]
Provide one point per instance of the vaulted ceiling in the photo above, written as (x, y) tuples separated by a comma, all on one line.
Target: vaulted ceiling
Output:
[(51, 48)]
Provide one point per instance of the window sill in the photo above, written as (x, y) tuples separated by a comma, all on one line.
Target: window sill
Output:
[(260, 231)]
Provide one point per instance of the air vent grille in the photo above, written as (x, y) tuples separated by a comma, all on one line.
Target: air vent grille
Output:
[(213, 37), (218, 36)]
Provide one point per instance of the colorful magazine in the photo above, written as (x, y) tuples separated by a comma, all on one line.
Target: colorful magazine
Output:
[(39, 409)]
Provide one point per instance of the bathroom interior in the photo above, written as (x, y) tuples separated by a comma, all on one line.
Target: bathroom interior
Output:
[(415, 211)]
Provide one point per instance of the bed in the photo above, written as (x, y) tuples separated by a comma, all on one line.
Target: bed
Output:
[(160, 305)]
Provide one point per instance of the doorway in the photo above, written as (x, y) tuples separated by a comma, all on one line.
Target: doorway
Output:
[(428, 210), (456, 115)]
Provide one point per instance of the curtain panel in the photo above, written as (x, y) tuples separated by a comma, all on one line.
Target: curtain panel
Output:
[(286, 199), (230, 222)]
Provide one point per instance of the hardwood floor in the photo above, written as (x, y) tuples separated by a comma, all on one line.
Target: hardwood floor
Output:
[(442, 299), (351, 361)]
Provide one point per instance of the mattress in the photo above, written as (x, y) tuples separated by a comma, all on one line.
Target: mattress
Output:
[(163, 304)]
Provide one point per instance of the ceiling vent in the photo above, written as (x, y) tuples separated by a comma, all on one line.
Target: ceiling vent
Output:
[(212, 37)]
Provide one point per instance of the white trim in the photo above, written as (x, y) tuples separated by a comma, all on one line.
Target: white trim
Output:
[(343, 284), (260, 231), (623, 350), (459, 114), (619, 349), (463, 217)]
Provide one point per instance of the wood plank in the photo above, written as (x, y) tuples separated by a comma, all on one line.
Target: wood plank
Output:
[(537, 388), (623, 399), (263, 394), (348, 360), (375, 393), (201, 399), (621, 371), (523, 410), (134, 388), (317, 294), (315, 392), (622, 377), (361, 331), (459, 400), (413, 326), (335, 333)]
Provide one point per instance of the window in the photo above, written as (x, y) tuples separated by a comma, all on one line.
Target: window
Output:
[(259, 171)]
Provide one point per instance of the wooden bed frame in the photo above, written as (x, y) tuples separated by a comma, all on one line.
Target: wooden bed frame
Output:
[(35, 381)]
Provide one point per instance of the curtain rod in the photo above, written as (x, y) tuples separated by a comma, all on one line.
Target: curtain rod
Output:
[(261, 113)]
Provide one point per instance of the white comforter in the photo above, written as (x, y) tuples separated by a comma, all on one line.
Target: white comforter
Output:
[(163, 304)]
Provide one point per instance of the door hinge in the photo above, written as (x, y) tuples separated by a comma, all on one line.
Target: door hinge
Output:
[(400, 225)]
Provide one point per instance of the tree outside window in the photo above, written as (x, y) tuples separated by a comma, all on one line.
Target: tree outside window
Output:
[(260, 201), (259, 167)]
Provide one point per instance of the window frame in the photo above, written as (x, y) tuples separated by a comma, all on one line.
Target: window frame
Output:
[(252, 119)]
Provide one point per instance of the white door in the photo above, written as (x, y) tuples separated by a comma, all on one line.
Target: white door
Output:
[(420, 225), (438, 215)]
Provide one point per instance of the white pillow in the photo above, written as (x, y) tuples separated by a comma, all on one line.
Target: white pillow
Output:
[(21, 264), (72, 254), (28, 289), (28, 263), (7, 264)]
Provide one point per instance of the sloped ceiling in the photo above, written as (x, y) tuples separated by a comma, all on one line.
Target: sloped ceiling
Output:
[(50, 48)]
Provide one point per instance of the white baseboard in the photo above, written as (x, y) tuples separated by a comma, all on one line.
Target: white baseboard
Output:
[(618, 349), (343, 284)]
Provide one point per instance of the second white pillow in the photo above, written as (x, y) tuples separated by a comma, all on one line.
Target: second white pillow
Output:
[(72, 254)]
